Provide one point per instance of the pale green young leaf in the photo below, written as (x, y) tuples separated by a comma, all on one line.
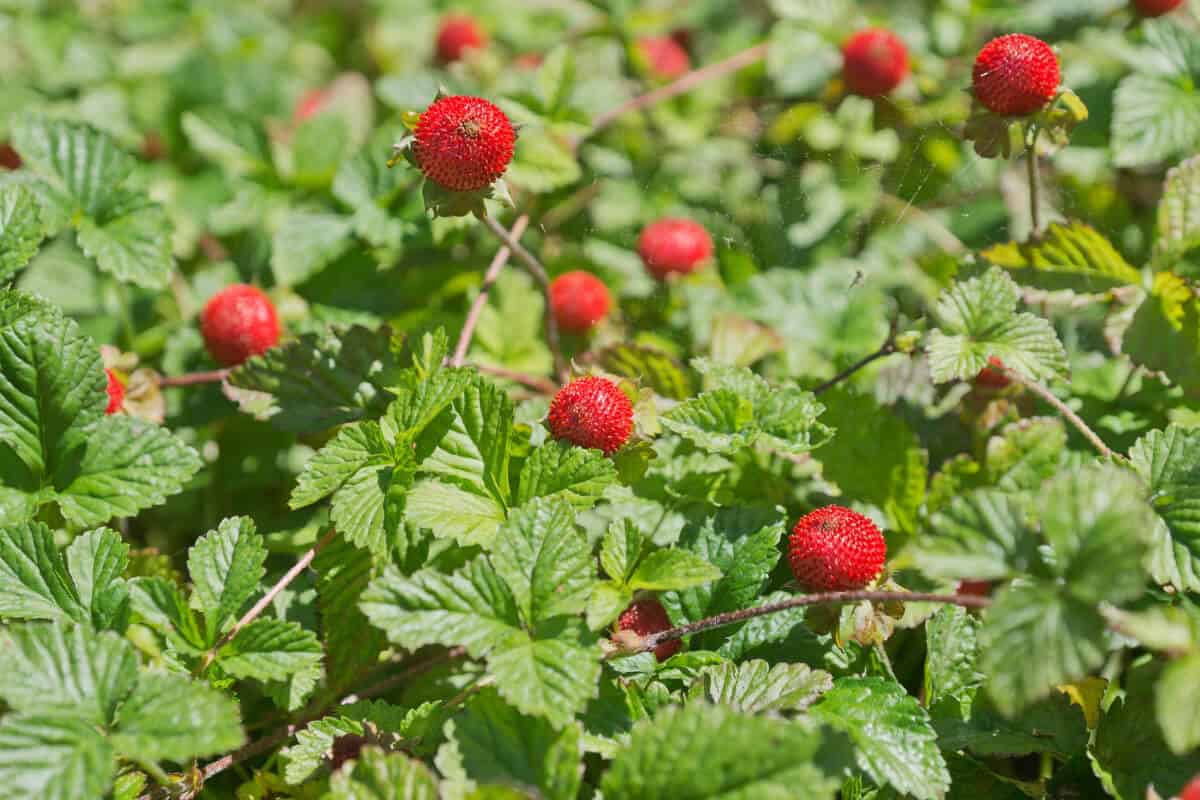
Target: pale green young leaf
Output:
[(318, 146), (754, 686), (576, 474), (53, 757), (21, 229), (607, 601), (421, 398), (1177, 696), (270, 650), (377, 775), (34, 583), (1179, 213), (226, 566), (171, 718), (1066, 256), (1169, 463), (894, 742), (450, 512), (509, 332), (545, 560)]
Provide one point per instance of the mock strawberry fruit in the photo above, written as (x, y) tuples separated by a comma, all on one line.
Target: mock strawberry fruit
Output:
[(310, 104), (1015, 75), (836, 549), (464, 143), (674, 246), (116, 392), (1156, 8), (592, 412), (458, 34), (874, 62), (974, 588), (993, 375), (645, 617), (239, 322), (9, 158), (1192, 790), (664, 56), (579, 301)]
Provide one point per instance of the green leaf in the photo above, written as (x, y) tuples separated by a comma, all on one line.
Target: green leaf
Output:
[(1179, 213), (321, 380), (160, 603), (78, 161), (1165, 332), (318, 146), (307, 242), (755, 686), (315, 743), (664, 570), (551, 673), (703, 751), (368, 508), (621, 550), (21, 230), (450, 512), (492, 743), (132, 241), (545, 560), (376, 775), (127, 465), (556, 469), (355, 448), (270, 650), (1072, 256), (977, 319), (951, 653), (352, 644), (509, 332), (53, 758), (47, 667), (1169, 462), (473, 451), (875, 457), (982, 535), (226, 566), (96, 561), (542, 162), (171, 718), (1155, 118), (1177, 695), (236, 143), (894, 742), (34, 583), (719, 421), (649, 367)]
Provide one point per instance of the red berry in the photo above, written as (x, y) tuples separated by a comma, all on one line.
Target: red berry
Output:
[(464, 143), (664, 56), (592, 412), (346, 747), (674, 245), (239, 322), (1015, 74), (1192, 790), (1156, 8), (116, 392), (310, 104), (458, 34), (528, 61), (993, 376), (836, 549), (9, 159), (874, 62), (975, 588), (579, 300), (645, 617)]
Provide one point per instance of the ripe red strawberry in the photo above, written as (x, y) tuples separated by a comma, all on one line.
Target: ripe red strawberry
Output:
[(310, 104), (664, 56), (645, 617), (993, 377), (464, 143), (674, 245), (836, 549), (239, 322), (1156, 8), (1015, 75), (1192, 790), (592, 412), (579, 301), (458, 34), (874, 62), (116, 392)]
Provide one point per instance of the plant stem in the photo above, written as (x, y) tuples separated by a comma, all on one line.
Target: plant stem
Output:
[(942, 236), (251, 615), (538, 272), (822, 598), (192, 378), (684, 84), (1031, 162), (1062, 408), (489, 278), (885, 349), (540, 385)]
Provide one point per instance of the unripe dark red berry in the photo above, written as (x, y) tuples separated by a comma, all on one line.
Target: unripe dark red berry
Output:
[(579, 300), (458, 34), (1192, 790), (346, 747), (464, 143), (993, 376), (9, 158), (664, 56), (645, 617), (592, 412), (239, 322), (874, 62), (674, 246), (1015, 75), (1156, 8), (835, 549), (974, 588), (310, 104), (116, 392)]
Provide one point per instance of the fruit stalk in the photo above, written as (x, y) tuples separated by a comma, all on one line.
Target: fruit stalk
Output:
[(193, 378), (1031, 161), (885, 349), (489, 278), (1062, 408), (543, 281)]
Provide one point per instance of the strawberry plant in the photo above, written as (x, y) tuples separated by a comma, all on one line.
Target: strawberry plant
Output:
[(408, 399)]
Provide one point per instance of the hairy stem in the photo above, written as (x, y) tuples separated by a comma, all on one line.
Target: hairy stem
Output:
[(886, 349), (1062, 408), (538, 272), (540, 385), (192, 378), (822, 598), (1031, 162), (489, 278), (251, 615)]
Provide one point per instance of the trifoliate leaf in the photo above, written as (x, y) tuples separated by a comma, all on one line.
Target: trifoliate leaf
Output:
[(894, 742), (755, 686), (545, 560), (1179, 213), (703, 751), (53, 757), (1072, 256), (1169, 463), (270, 650), (21, 230), (576, 474), (226, 566), (171, 718), (977, 319), (719, 421)]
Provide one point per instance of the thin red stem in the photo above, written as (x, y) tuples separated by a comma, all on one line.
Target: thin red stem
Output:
[(192, 378), (489, 278), (540, 385)]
